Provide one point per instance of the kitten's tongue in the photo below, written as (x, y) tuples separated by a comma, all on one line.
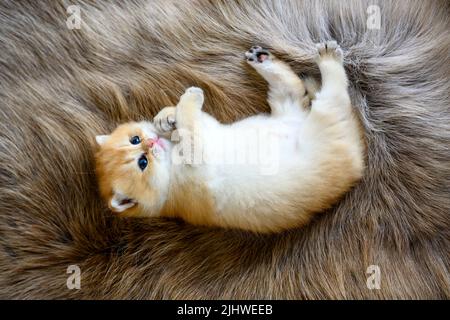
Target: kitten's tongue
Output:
[(160, 143)]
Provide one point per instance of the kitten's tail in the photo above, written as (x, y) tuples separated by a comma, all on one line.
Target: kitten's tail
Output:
[(311, 86)]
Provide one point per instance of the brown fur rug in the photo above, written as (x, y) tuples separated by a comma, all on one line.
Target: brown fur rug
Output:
[(61, 87)]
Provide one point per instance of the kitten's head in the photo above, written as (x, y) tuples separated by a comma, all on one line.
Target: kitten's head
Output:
[(132, 167)]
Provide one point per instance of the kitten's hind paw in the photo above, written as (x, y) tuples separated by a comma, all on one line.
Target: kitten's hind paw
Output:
[(257, 55), (329, 50)]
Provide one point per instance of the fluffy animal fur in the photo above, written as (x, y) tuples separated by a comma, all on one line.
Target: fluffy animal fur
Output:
[(265, 173), (60, 87)]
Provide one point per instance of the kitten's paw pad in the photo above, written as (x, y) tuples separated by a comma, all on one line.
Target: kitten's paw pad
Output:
[(329, 50), (257, 55), (194, 90), (193, 94), (165, 120)]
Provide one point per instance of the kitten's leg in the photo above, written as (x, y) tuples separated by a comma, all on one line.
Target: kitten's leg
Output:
[(189, 116), (286, 90), (334, 78), (184, 116), (332, 102), (331, 130), (189, 109)]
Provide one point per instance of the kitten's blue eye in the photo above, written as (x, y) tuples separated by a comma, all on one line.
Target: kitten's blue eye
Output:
[(135, 140), (142, 162)]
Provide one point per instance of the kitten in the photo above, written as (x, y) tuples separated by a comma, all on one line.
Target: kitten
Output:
[(303, 159)]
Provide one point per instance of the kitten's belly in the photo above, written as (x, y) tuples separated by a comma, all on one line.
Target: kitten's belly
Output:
[(257, 168)]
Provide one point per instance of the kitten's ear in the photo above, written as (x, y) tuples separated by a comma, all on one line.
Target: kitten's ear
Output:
[(101, 139), (120, 202)]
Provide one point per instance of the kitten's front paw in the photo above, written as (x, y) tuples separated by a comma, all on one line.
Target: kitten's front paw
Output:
[(165, 120), (194, 91), (329, 50), (193, 94), (257, 55)]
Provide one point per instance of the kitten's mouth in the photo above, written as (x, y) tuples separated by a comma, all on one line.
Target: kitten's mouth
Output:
[(160, 143), (156, 142), (158, 147)]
